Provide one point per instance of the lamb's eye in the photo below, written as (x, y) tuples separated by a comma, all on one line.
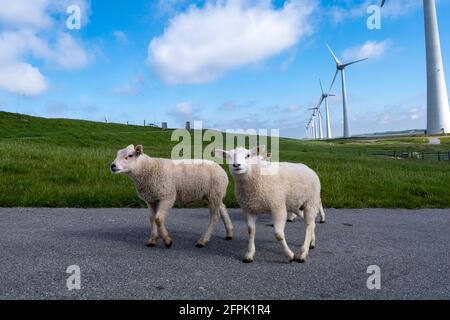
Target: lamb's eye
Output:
[(130, 156), (247, 156)]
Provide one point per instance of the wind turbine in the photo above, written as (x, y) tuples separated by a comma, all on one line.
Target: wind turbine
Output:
[(311, 128), (324, 97), (438, 113), (341, 67), (318, 119), (312, 124)]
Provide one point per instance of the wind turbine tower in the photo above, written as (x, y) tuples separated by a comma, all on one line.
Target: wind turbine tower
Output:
[(438, 112)]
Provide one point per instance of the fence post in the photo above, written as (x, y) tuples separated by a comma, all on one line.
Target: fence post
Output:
[(449, 156), (439, 156)]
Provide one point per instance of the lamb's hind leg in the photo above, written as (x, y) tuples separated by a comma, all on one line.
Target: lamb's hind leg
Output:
[(213, 216), (279, 223), (226, 221), (154, 228), (310, 223)]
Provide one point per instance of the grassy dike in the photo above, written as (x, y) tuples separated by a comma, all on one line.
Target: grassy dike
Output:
[(65, 163)]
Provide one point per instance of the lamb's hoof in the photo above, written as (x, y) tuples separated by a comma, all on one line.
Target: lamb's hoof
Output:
[(247, 260), (199, 245), (290, 220), (168, 245), (151, 245), (300, 260), (312, 246), (228, 238), (322, 221)]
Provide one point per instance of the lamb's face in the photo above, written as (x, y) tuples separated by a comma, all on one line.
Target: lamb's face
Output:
[(240, 159), (126, 159)]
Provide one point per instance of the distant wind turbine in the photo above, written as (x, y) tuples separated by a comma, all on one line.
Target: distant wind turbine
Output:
[(324, 98), (317, 115), (106, 118), (341, 67), (438, 113)]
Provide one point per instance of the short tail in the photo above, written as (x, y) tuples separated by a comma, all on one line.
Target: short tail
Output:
[(322, 213)]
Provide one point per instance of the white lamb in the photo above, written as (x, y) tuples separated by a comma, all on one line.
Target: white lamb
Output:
[(292, 216), (163, 182), (291, 188)]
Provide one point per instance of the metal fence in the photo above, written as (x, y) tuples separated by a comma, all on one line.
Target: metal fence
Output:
[(418, 155)]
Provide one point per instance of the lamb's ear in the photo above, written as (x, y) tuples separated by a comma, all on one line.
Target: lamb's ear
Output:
[(258, 150), (219, 153), (139, 150)]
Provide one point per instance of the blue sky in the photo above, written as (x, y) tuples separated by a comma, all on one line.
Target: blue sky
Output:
[(177, 60)]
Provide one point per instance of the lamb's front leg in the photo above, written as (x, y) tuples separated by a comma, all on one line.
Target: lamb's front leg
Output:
[(154, 228), (279, 223), (251, 224), (160, 218)]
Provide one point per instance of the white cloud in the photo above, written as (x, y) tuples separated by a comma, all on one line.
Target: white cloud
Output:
[(25, 13), (165, 7), (185, 111), (184, 108), (201, 44), (29, 29), (120, 36), (22, 78), (369, 49), (68, 53), (293, 108), (132, 88)]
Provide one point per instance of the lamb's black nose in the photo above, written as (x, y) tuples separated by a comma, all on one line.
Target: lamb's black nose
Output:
[(113, 166), (236, 165)]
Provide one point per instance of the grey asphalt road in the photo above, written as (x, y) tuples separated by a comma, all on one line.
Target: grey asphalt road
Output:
[(412, 249)]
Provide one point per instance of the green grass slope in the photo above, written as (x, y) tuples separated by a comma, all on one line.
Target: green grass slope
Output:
[(65, 163)]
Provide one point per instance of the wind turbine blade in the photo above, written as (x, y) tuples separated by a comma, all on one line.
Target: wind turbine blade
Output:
[(334, 56), (382, 3), (334, 79), (353, 62), (321, 87), (320, 103)]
